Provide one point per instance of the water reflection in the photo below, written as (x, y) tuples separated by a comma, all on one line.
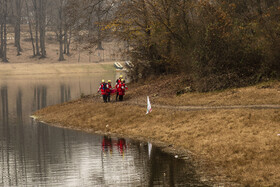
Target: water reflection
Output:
[(5, 128), (65, 93), (107, 144), (121, 145), (40, 97), (19, 107), (34, 154), (5, 106), (20, 135)]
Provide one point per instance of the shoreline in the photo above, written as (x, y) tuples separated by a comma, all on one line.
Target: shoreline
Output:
[(227, 148), (177, 152), (48, 69), (163, 146)]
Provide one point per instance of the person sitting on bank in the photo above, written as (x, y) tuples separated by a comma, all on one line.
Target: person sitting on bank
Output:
[(103, 88)]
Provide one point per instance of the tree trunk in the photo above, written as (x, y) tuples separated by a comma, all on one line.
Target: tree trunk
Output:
[(1, 36), (65, 40), (61, 57), (4, 58), (30, 28), (69, 42), (99, 46), (17, 26), (13, 20), (42, 26), (36, 9), (1, 30)]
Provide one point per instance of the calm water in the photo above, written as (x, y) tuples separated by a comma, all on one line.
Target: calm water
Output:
[(34, 154)]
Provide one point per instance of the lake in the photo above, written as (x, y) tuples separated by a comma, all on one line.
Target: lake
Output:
[(35, 154)]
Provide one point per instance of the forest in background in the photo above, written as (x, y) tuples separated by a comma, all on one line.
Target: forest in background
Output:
[(217, 43), (51, 21)]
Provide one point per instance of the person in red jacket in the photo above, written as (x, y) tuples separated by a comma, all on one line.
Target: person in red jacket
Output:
[(109, 90), (118, 89), (122, 87), (103, 88), (118, 81)]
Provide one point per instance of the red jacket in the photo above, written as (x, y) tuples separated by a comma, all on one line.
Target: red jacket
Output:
[(103, 87), (118, 87), (109, 86), (121, 88), (118, 81)]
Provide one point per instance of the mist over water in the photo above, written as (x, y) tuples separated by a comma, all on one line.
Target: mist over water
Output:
[(35, 154)]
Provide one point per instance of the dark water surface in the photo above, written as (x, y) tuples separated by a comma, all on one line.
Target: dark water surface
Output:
[(34, 154)]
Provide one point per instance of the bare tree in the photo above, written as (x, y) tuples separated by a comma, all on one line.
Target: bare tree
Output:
[(68, 41), (87, 18), (5, 7), (65, 38), (30, 28), (67, 30), (99, 15), (17, 25), (36, 10), (60, 12), (1, 29), (42, 26)]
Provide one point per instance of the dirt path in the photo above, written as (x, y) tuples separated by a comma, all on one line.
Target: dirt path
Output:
[(141, 102), (192, 108)]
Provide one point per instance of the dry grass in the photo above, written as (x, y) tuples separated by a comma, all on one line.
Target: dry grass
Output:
[(33, 69), (78, 54), (26, 64), (163, 91), (52, 54), (238, 145), (242, 96)]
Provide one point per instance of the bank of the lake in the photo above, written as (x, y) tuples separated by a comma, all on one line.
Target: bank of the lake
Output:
[(229, 145), (50, 69)]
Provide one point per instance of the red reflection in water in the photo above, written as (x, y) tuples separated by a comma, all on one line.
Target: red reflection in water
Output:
[(108, 143)]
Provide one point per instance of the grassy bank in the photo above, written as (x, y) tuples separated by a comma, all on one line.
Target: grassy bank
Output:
[(239, 145), (32, 69)]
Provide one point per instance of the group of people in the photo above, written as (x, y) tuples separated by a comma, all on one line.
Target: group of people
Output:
[(107, 89)]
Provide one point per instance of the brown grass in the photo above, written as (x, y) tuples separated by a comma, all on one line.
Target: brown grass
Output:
[(243, 96), (238, 145), (78, 54), (52, 49), (48, 69), (163, 91), (27, 65)]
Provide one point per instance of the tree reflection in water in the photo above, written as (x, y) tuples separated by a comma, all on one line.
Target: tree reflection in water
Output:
[(65, 93), (40, 97), (157, 168), (34, 154)]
